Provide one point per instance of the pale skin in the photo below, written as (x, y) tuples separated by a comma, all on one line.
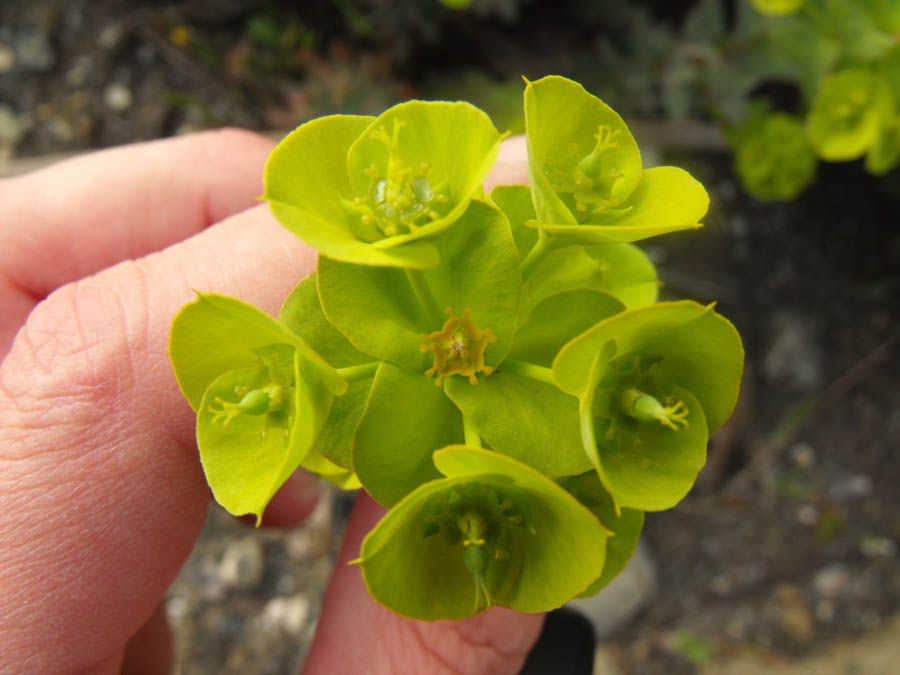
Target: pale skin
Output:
[(101, 491)]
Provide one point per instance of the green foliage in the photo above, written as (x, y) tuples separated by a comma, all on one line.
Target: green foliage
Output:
[(519, 332), (842, 58), (775, 159)]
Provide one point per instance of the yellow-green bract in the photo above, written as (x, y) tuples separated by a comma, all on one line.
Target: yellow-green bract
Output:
[(776, 160), (587, 178), (496, 370), (375, 191), (848, 113), (260, 392)]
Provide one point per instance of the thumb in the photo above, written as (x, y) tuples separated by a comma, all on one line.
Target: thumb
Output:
[(355, 634)]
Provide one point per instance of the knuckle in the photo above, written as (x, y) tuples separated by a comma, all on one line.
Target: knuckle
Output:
[(74, 356)]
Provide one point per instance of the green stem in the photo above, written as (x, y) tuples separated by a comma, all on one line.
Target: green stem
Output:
[(424, 296), (362, 372), (529, 370), (470, 433), (537, 253)]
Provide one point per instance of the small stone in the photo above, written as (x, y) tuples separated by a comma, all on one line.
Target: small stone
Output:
[(807, 514), (829, 581), (109, 35), (242, 565), (794, 355), (740, 625), (606, 661), (176, 608), (77, 75), (117, 97), (61, 128), (7, 59), (305, 543), (855, 487), (721, 585), (614, 606), (825, 611), (34, 51), (793, 613), (803, 456), (289, 614), (878, 547)]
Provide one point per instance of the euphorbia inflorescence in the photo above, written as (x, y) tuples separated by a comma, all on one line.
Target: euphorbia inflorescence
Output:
[(593, 404)]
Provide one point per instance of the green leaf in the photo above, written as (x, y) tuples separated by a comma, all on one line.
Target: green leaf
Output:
[(216, 333), (628, 273), (621, 270), (625, 527), (699, 350), (334, 474), (302, 313), (667, 199), (378, 311), (433, 156), (515, 203), (531, 421), (848, 113), (530, 568), (580, 152), (248, 456), (480, 272), (337, 437), (559, 318), (564, 269), (405, 419)]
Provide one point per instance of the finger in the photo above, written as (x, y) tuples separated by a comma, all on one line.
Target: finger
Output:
[(101, 493), (150, 651), (292, 504), (356, 635), (82, 215), (511, 167)]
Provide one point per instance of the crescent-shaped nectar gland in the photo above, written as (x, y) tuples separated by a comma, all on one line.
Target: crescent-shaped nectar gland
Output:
[(458, 348)]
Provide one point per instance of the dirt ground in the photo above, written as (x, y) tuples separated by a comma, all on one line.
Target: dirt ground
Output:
[(785, 552)]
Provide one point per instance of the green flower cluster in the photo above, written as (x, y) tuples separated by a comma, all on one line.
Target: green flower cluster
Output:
[(495, 369), (845, 57)]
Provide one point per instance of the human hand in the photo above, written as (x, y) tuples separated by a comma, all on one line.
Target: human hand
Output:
[(101, 491)]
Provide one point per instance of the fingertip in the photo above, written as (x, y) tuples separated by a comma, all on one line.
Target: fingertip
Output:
[(293, 503)]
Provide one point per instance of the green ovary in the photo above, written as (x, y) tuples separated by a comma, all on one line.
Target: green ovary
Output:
[(400, 199), (646, 408), (270, 397), (591, 182), (474, 520)]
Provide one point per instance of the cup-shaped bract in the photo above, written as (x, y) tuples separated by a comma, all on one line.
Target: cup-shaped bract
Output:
[(491, 532), (261, 394), (652, 383), (776, 161), (587, 179), (375, 191), (848, 113), (624, 524)]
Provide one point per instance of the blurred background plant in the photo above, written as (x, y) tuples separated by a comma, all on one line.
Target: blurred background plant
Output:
[(788, 81)]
